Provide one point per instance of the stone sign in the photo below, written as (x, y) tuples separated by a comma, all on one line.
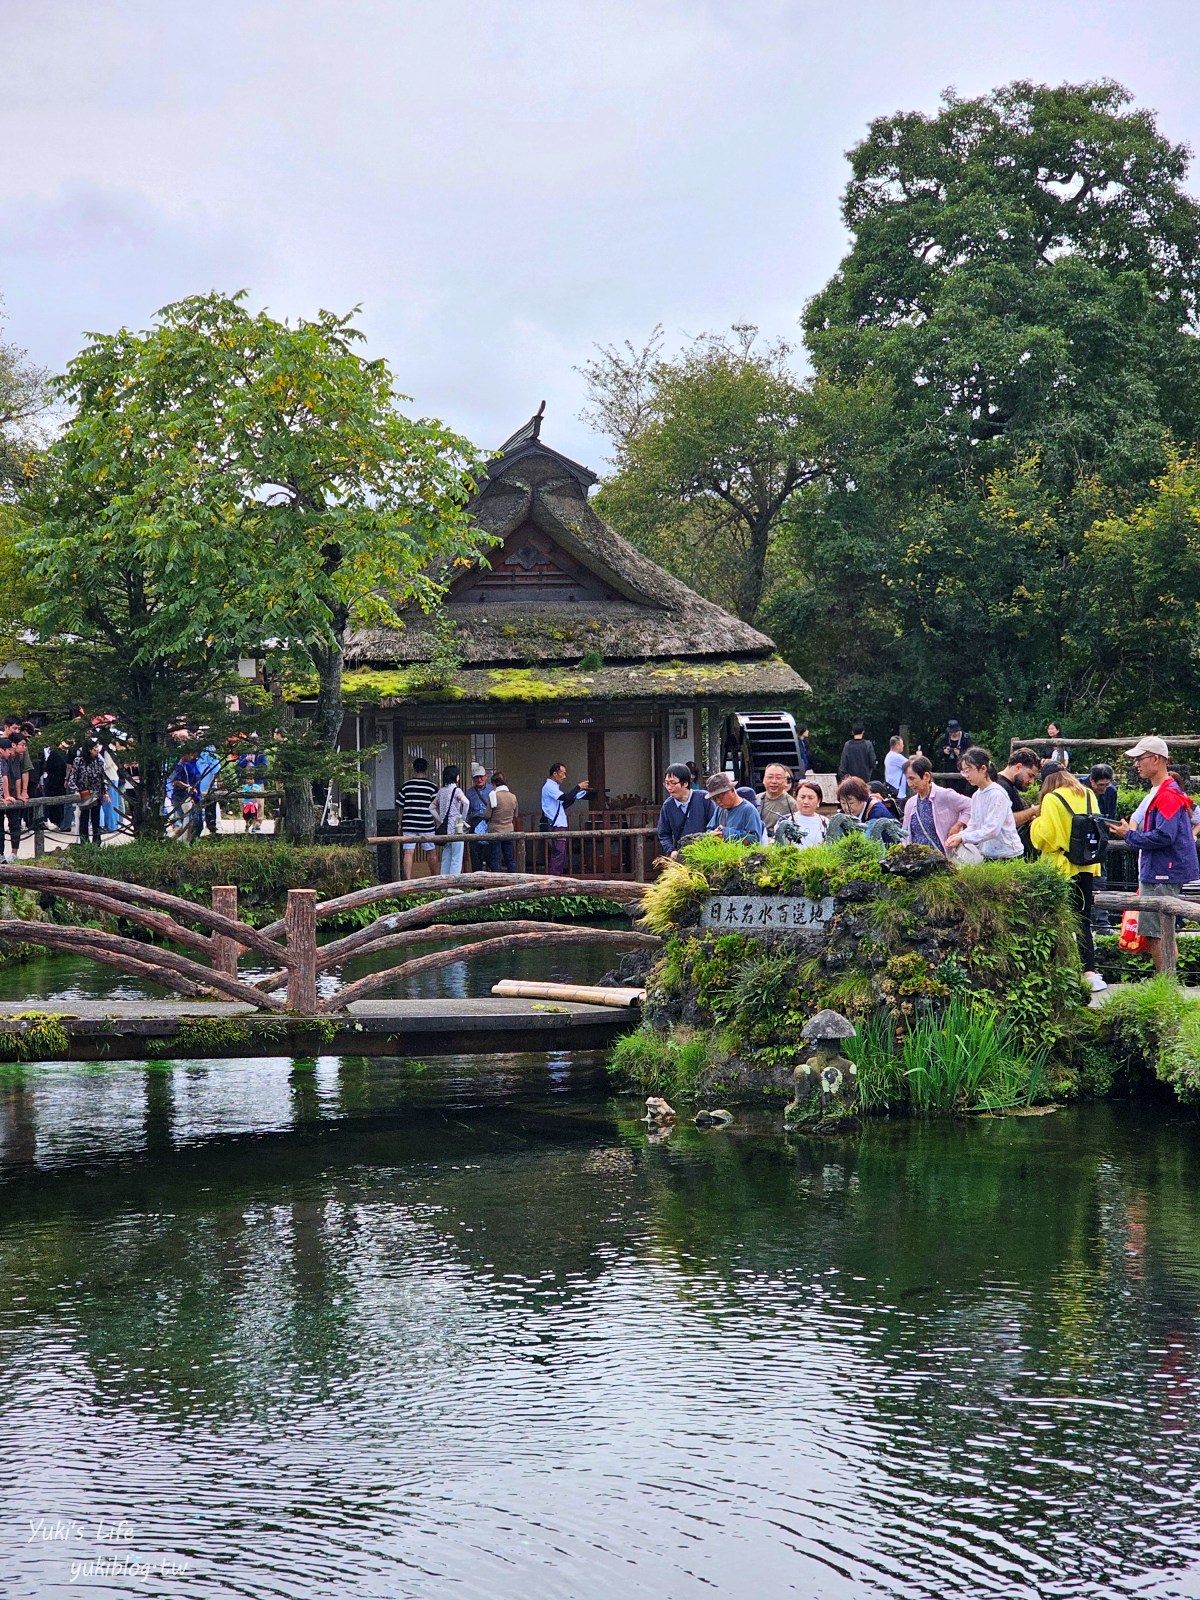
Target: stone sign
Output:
[(764, 913)]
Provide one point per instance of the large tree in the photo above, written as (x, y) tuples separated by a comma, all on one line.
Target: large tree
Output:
[(1024, 271), (711, 447), (228, 478), (1025, 267)]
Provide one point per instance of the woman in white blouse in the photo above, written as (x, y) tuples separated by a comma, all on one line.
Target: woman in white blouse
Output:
[(989, 834), (807, 827)]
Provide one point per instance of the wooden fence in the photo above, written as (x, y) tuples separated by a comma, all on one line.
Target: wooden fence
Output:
[(1169, 906)]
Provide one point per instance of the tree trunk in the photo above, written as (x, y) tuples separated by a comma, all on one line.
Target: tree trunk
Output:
[(300, 821), (751, 586), (330, 662)]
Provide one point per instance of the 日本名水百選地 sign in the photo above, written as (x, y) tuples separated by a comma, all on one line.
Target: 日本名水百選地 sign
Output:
[(765, 913)]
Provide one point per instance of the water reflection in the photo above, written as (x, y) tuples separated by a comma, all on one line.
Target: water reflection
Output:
[(316, 1339), (69, 978)]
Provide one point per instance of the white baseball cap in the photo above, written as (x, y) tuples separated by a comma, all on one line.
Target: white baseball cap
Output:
[(1151, 746)]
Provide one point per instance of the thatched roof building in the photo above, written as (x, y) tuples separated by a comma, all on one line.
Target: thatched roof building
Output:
[(573, 645)]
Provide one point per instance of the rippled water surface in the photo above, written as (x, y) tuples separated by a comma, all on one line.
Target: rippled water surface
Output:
[(300, 1333)]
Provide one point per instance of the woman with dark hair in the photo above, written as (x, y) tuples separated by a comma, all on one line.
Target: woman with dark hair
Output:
[(807, 827), (87, 781), (856, 800), (989, 834), (450, 816), (1063, 799), (503, 820)]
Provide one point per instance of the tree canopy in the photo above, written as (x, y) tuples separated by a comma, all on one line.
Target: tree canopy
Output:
[(24, 397), (1024, 271), (711, 447), (228, 479)]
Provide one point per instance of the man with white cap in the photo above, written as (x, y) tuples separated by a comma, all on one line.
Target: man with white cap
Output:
[(1163, 835), (479, 809)]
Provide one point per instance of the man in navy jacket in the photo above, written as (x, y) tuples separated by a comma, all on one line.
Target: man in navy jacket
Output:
[(1167, 850), (685, 811)]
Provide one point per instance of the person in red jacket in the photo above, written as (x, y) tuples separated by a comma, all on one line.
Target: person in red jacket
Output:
[(1163, 835)]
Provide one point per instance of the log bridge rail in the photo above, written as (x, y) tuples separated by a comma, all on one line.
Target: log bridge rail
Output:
[(1169, 905), (288, 946)]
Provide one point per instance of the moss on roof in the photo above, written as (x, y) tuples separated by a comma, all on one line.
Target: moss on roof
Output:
[(768, 677)]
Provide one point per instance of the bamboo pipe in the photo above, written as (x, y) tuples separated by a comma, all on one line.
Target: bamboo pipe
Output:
[(586, 993)]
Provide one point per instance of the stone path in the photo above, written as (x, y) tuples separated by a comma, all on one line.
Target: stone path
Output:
[(134, 1029)]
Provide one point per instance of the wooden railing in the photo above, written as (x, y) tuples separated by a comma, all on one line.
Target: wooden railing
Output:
[(1169, 906), (615, 854), (288, 947), (36, 807)]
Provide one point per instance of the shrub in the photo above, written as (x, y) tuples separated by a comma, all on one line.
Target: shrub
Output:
[(1151, 1029), (263, 869), (961, 982)]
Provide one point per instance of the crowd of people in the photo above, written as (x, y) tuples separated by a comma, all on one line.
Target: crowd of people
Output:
[(83, 784), (483, 816), (1031, 808), (59, 784)]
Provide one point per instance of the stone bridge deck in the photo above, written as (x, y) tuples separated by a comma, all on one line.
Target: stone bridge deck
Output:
[(99, 1030)]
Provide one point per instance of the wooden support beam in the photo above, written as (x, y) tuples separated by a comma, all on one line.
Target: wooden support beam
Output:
[(145, 960), (225, 950), (445, 958), (300, 924)]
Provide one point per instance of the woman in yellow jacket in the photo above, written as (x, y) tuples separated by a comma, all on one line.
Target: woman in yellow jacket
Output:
[(1064, 798)]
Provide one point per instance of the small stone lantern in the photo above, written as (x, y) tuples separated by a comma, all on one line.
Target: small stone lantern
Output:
[(827, 1083)]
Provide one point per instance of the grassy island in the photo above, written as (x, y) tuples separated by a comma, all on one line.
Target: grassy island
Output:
[(965, 986)]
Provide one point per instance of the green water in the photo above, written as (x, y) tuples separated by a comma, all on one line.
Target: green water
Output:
[(363, 1331)]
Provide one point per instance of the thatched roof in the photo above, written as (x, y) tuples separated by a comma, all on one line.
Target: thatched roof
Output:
[(748, 682), (560, 584)]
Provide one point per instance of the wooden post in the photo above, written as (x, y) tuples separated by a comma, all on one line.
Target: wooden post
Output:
[(520, 855), (225, 951), (396, 861), (639, 857), (369, 806), (39, 831), (300, 927), (1169, 947)]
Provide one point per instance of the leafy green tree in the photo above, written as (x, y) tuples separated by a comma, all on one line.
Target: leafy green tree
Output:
[(1024, 271), (228, 479), (1139, 584), (711, 448), (1025, 267)]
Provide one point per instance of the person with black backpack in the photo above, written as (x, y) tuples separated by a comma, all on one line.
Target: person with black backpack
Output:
[(1070, 834)]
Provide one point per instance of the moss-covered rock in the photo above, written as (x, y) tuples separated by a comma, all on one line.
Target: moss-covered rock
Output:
[(910, 939)]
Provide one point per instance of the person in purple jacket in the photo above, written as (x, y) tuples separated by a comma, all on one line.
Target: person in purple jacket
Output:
[(1167, 850)]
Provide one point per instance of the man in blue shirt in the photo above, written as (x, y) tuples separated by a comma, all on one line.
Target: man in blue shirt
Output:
[(479, 811), (183, 788), (555, 800), (736, 820)]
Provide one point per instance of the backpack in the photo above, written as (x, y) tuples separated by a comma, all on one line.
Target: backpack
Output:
[(1088, 840)]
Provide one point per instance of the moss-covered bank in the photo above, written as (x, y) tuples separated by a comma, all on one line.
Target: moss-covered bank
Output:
[(940, 970)]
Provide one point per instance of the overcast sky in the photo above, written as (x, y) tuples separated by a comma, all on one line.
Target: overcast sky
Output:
[(501, 186)]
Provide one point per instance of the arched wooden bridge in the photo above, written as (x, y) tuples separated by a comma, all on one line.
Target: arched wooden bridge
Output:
[(215, 938)]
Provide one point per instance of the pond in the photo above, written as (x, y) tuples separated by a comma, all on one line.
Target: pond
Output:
[(357, 1330), (79, 978)]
